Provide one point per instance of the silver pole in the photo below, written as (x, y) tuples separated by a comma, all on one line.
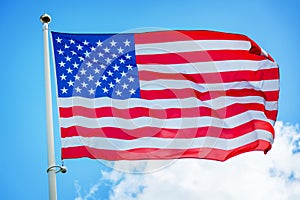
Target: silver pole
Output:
[(45, 19)]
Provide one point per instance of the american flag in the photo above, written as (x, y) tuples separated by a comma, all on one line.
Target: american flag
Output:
[(164, 95)]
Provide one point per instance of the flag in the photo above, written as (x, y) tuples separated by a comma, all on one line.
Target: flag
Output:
[(164, 95)]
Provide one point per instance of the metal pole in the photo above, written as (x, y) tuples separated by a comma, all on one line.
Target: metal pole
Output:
[(45, 19)]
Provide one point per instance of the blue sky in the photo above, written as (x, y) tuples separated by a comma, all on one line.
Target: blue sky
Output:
[(274, 25)]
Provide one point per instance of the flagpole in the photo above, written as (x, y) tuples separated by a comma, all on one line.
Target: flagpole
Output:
[(45, 19)]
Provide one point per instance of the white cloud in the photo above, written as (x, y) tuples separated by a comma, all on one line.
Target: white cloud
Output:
[(89, 195), (128, 185), (250, 176)]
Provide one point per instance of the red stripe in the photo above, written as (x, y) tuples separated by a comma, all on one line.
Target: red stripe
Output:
[(132, 113), (217, 77), (161, 154), (185, 35), (204, 96), (125, 134), (197, 56)]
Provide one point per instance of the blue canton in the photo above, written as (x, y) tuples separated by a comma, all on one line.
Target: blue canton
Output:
[(92, 66)]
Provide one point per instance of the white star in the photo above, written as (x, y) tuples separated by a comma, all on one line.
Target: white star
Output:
[(117, 80), (81, 58), (120, 50), (93, 49), (132, 91), (127, 56), (113, 43), (79, 47), (95, 60), (122, 61), (105, 90), (82, 71), (98, 83), (131, 79), (114, 55), (71, 83), (90, 77), (84, 84), (99, 43), (109, 73), (76, 77), (62, 64), (111, 85), (102, 66), (73, 53), (119, 93), (58, 40), (108, 60), (125, 86), (63, 77), (96, 71), (72, 41), (85, 42), (66, 46), (60, 52), (69, 70), (91, 91), (123, 73), (116, 67), (68, 58), (78, 89), (64, 90), (129, 67), (89, 64), (127, 43), (104, 77), (106, 50), (75, 65), (87, 54), (100, 54)]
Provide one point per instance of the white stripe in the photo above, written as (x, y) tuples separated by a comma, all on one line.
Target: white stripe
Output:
[(176, 123), (167, 143), (160, 84), (191, 45), (192, 102), (209, 67), (264, 53)]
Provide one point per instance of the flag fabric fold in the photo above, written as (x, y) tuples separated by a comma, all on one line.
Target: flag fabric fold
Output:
[(164, 95)]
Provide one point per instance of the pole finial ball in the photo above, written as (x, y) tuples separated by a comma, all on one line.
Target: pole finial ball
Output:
[(45, 18)]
